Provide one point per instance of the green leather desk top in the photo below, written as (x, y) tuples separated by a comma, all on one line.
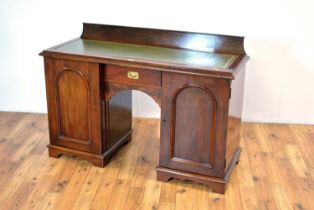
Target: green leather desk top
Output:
[(140, 52)]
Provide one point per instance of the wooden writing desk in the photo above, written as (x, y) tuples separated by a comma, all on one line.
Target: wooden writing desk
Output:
[(89, 82)]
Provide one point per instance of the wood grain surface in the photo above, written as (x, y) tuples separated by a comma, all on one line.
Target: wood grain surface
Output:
[(276, 171)]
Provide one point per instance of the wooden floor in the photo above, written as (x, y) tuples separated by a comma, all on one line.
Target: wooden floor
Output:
[(276, 171)]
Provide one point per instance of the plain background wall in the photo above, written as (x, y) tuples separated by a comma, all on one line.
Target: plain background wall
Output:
[(279, 39)]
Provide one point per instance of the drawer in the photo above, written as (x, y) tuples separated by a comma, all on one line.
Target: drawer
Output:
[(132, 75)]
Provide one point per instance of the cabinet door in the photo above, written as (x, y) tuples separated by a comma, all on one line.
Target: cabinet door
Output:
[(74, 108), (193, 131)]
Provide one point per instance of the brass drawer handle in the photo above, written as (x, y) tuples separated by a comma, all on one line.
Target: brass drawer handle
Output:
[(133, 75)]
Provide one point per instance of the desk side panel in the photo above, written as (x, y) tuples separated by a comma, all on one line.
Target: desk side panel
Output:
[(235, 114), (118, 117)]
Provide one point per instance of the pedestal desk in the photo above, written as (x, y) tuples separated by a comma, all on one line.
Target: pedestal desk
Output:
[(196, 78)]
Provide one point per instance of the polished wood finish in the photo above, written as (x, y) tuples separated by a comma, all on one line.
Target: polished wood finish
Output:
[(192, 140), (119, 74), (233, 138), (119, 120), (112, 88), (89, 82), (73, 93), (275, 171), (164, 38)]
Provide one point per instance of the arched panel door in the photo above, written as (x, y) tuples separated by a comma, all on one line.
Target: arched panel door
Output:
[(195, 106), (191, 139), (74, 108)]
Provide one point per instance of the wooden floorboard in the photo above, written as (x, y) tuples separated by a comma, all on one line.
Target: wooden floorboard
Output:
[(276, 171)]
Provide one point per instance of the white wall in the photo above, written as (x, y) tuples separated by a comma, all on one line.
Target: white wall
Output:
[(279, 39)]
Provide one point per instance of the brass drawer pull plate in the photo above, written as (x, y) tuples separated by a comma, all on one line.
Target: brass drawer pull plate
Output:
[(133, 75)]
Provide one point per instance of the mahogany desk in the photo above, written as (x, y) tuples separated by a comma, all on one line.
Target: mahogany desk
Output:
[(89, 82)]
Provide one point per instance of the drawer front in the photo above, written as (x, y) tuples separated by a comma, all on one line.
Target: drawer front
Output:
[(132, 75)]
